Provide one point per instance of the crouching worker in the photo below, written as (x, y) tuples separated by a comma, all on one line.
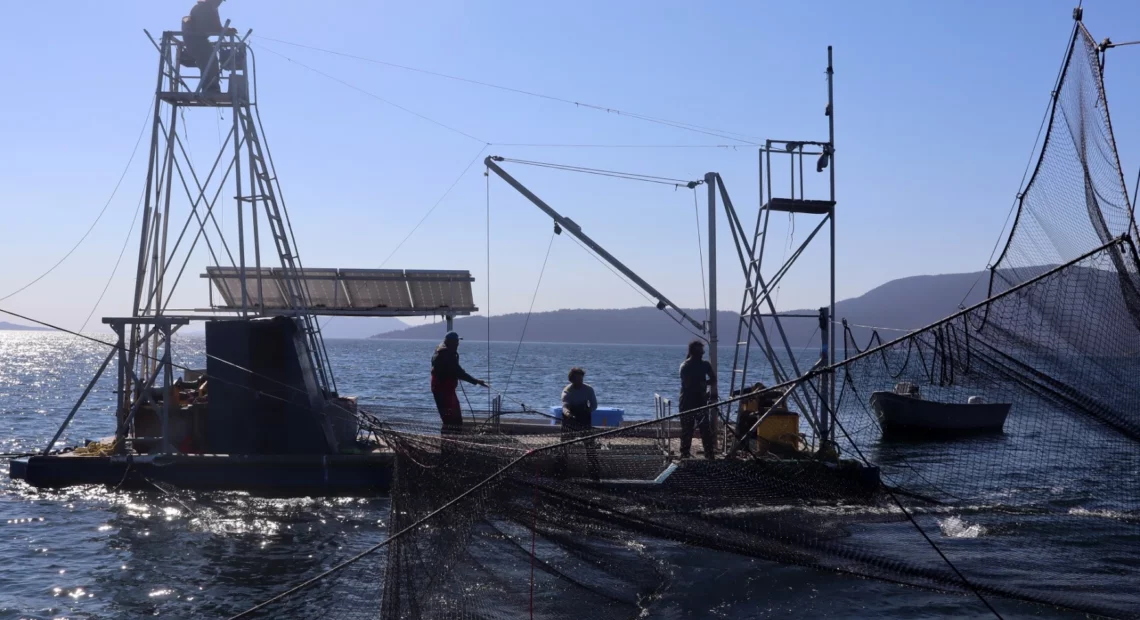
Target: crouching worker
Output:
[(578, 405), (445, 376)]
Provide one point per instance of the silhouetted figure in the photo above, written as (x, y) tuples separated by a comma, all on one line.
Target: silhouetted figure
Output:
[(696, 380), (578, 405), (445, 375), (202, 23)]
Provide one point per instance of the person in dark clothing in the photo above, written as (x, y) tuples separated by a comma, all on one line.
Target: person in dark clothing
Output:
[(445, 376), (202, 23), (698, 384), (578, 402), (578, 405)]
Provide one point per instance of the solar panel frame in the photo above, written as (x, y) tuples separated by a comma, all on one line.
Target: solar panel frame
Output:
[(369, 289), (319, 287), (227, 281), (357, 292), (440, 289)]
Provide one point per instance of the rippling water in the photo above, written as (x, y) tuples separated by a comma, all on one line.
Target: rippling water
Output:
[(98, 553)]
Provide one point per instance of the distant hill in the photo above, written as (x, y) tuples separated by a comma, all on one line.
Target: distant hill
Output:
[(906, 303), (358, 326), (22, 328)]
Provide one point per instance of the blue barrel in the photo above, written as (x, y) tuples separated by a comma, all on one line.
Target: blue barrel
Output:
[(603, 416)]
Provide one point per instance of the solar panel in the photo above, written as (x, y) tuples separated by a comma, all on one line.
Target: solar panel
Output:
[(440, 289), (363, 292), (319, 287), (227, 282), (376, 288)]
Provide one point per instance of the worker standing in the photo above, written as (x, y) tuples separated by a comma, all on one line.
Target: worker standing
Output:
[(202, 23), (578, 405), (698, 385), (578, 402), (445, 376)]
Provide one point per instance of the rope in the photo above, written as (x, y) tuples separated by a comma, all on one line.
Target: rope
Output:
[(469, 407), (1135, 190), (377, 97), (102, 211), (786, 386), (890, 329), (539, 145), (720, 133), (433, 207), (530, 311), (321, 354), (631, 176), (533, 538), (383, 543), (918, 527), (425, 216), (126, 242), (637, 290), (700, 253), (487, 176), (473, 489), (174, 364), (1021, 184)]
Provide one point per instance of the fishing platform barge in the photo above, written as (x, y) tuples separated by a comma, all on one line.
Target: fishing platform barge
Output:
[(265, 414)]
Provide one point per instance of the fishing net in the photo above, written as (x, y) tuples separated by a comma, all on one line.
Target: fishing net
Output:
[(605, 524)]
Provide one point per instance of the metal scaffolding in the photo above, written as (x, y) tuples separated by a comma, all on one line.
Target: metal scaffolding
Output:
[(242, 170), (761, 324)]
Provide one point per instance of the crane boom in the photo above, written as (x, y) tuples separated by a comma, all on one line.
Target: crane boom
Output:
[(576, 230)]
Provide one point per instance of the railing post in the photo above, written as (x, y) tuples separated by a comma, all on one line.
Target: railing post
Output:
[(168, 393), (824, 378)]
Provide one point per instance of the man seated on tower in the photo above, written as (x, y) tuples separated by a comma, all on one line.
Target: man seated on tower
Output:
[(202, 23)]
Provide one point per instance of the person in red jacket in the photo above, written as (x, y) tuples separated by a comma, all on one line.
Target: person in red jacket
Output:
[(445, 376)]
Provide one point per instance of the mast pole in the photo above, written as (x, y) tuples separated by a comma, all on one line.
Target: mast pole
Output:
[(711, 181), (149, 208), (831, 167), (238, 135)]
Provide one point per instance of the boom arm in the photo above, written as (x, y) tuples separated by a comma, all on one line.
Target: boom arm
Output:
[(576, 230)]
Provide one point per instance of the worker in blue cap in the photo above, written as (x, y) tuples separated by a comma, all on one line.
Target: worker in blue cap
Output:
[(445, 375)]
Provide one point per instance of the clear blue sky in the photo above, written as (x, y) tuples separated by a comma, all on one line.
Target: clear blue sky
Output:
[(937, 106)]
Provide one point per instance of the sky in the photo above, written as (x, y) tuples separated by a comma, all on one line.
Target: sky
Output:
[(937, 107)]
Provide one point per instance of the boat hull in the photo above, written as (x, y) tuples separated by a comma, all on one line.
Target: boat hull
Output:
[(356, 474), (903, 415)]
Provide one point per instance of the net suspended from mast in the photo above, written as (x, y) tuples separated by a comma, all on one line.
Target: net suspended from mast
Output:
[(488, 526)]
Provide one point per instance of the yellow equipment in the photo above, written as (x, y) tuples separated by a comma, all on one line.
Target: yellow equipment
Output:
[(781, 426)]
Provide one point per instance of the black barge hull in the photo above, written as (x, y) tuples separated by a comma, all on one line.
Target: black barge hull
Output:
[(285, 475)]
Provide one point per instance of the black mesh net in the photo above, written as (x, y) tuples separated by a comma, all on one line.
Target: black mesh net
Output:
[(603, 525)]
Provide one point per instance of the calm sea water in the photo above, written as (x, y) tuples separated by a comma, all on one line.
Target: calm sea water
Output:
[(98, 553)]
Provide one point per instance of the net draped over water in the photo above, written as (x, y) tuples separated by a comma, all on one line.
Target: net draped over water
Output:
[(485, 525)]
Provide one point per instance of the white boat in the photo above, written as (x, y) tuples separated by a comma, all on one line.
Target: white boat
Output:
[(905, 412)]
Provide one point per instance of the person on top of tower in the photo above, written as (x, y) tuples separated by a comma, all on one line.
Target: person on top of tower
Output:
[(445, 375), (202, 23)]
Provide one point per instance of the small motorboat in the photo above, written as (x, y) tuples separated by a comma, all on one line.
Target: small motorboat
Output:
[(905, 412)]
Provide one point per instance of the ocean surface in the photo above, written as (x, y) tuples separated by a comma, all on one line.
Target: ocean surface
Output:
[(99, 553)]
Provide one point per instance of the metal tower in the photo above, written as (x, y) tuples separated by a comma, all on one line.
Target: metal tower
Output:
[(242, 171), (761, 325)]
